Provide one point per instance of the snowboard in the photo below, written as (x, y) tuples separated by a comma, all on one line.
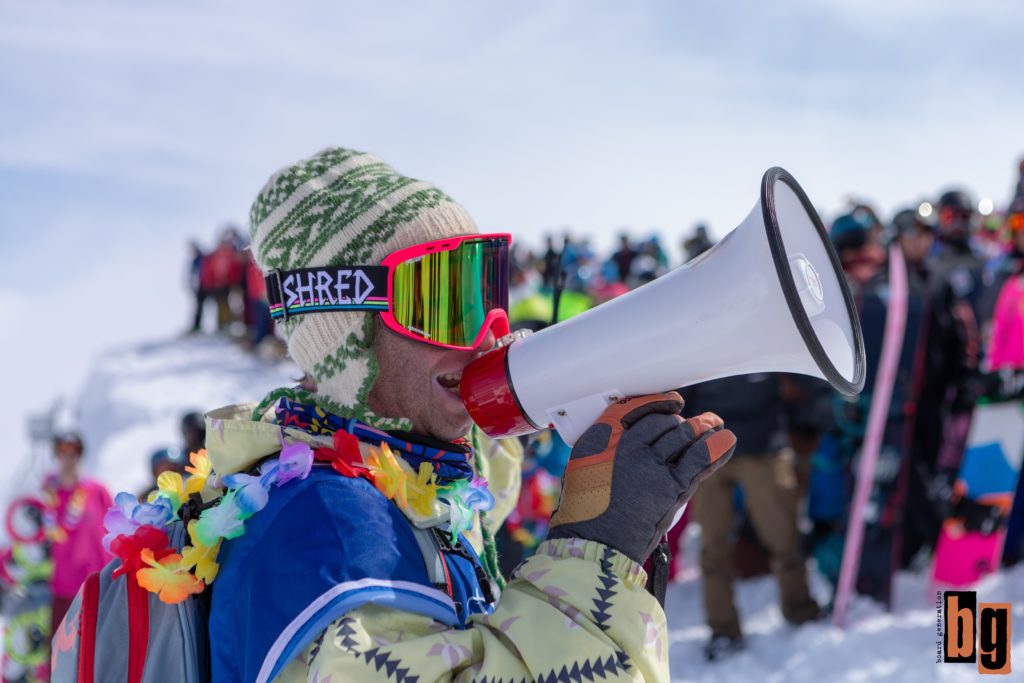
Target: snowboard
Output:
[(870, 544), (970, 543), (972, 539), (26, 570), (836, 465), (884, 508), (1013, 547), (1006, 356)]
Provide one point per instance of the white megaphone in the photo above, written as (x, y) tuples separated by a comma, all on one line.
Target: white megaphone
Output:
[(769, 297)]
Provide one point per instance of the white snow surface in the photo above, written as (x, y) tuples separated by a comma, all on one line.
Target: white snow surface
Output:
[(876, 645), (132, 402), (134, 398)]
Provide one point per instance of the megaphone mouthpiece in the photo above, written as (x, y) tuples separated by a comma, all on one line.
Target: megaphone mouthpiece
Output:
[(486, 389)]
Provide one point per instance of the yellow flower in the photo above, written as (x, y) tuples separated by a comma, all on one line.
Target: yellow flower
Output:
[(170, 484), (203, 558), (422, 490), (200, 470), (387, 475)]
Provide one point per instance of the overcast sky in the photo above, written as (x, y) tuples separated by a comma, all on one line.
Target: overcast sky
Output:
[(127, 127)]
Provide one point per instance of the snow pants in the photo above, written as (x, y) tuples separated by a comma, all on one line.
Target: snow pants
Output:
[(771, 496)]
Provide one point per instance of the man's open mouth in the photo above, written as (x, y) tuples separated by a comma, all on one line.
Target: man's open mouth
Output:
[(450, 381)]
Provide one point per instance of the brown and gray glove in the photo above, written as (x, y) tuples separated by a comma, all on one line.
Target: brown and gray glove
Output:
[(633, 469)]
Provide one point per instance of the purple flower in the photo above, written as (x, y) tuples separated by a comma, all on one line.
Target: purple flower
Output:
[(117, 524), (295, 461), (128, 514)]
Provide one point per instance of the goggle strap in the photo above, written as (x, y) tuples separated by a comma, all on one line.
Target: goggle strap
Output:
[(325, 289)]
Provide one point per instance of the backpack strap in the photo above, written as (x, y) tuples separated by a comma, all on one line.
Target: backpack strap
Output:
[(457, 570), (138, 628), (437, 568), (87, 642)]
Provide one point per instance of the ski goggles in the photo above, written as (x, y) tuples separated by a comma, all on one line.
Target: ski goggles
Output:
[(448, 293)]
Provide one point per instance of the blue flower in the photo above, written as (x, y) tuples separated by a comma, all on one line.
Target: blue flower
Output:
[(250, 492), (225, 520), (128, 514)]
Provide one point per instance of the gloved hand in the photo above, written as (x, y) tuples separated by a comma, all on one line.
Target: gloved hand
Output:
[(632, 470)]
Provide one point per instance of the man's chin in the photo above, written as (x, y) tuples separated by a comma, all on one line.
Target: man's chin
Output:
[(449, 427)]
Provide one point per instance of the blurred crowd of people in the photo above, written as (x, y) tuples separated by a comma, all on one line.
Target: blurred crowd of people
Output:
[(57, 539), (227, 277)]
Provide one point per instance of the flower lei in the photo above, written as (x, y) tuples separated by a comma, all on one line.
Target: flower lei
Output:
[(137, 532), (57, 527), (409, 491)]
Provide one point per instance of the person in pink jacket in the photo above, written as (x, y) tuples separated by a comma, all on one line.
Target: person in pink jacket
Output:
[(1006, 338), (75, 507), (1006, 347)]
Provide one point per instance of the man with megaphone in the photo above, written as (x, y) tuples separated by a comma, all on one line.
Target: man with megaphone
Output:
[(378, 563)]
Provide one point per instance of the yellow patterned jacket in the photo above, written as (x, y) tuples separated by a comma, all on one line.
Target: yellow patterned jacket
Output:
[(577, 610)]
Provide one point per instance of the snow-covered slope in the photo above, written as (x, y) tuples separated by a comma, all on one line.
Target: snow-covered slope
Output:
[(134, 398), (877, 646)]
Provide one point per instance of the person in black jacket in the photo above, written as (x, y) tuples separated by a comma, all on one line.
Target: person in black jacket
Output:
[(763, 465), (949, 370)]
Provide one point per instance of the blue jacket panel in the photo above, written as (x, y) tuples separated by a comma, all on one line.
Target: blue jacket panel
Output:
[(321, 547)]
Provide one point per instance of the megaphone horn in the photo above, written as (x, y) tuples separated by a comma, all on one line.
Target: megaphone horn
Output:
[(769, 297)]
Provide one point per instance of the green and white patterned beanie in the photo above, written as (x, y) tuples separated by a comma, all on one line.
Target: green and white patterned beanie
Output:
[(342, 207)]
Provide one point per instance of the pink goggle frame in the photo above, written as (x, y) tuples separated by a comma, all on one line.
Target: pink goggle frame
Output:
[(465, 290)]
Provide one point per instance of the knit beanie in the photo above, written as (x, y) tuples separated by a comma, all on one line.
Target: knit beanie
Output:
[(342, 207)]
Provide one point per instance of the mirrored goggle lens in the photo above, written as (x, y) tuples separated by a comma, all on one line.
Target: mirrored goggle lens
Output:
[(444, 297)]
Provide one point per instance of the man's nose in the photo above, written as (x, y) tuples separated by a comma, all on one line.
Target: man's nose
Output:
[(487, 343), (497, 327)]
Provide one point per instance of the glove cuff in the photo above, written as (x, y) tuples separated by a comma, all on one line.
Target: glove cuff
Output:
[(611, 560)]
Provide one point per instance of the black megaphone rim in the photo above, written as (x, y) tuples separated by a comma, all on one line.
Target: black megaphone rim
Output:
[(796, 307)]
